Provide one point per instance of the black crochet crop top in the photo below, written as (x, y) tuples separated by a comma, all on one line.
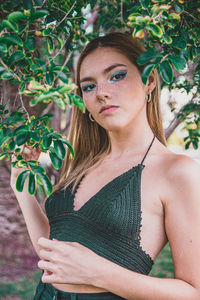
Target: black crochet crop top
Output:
[(108, 223)]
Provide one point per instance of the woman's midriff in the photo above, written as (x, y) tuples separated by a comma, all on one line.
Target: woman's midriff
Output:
[(78, 288)]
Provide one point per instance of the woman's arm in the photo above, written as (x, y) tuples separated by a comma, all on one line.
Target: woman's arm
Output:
[(36, 221), (182, 219)]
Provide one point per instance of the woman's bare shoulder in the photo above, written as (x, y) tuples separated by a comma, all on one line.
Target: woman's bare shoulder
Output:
[(181, 175), (181, 166)]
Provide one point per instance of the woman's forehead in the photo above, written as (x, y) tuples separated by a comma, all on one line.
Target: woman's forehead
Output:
[(102, 58)]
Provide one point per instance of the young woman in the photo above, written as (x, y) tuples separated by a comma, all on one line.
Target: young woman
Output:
[(122, 197)]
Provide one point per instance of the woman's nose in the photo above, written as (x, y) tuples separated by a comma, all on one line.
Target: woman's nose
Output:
[(103, 93)]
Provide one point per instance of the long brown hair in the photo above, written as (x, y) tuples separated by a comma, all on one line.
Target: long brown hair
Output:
[(89, 140)]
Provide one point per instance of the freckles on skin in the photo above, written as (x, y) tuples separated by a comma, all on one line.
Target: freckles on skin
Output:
[(128, 93)]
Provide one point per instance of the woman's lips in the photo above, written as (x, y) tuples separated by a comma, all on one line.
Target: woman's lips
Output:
[(109, 110)]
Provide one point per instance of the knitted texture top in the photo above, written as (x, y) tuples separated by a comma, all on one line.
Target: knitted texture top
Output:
[(109, 223)]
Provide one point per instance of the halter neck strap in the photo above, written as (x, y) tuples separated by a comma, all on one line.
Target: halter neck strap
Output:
[(148, 149)]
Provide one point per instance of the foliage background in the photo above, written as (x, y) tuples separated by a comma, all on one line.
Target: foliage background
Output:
[(39, 45)]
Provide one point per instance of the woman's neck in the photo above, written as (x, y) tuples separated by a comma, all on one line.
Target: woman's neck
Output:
[(130, 141)]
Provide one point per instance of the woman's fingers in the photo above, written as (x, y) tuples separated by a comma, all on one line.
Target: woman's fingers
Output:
[(46, 265), (50, 278), (46, 243), (46, 255)]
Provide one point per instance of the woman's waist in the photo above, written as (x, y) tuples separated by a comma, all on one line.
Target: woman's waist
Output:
[(78, 288)]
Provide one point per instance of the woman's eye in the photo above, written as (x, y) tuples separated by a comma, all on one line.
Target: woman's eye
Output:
[(88, 87), (118, 75)]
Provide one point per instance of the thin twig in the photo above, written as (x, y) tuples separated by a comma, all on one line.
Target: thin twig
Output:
[(186, 12), (5, 66), (66, 14), (65, 62), (16, 98), (20, 96)]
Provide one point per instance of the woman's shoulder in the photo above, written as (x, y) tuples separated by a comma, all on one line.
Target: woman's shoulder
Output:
[(181, 166), (182, 175)]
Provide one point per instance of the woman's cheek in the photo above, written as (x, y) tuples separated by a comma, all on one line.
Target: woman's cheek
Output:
[(88, 102)]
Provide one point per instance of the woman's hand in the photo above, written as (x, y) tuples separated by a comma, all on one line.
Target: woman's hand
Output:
[(68, 262)]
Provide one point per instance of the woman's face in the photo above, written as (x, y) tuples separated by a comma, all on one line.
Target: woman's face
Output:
[(112, 89)]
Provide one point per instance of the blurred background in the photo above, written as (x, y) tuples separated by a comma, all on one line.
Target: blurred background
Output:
[(57, 32)]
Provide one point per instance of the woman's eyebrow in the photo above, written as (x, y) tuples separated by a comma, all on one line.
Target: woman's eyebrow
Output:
[(108, 69)]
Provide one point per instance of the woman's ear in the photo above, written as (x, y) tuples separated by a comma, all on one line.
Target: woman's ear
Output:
[(152, 81)]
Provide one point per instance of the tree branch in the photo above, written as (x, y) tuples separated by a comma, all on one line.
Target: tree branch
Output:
[(176, 121)]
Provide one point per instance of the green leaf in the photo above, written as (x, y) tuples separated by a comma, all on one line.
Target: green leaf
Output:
[(11, 145), (77, 100), (62, 76), (69, 146), (132, 17), (56, 161), (7, 75), (30, 43), (147, 71), (49, 78), (22, 138), (187, 145), (59, 102), (17, 150), (166, 71), (50, 44), (145, 3), (154, 29), (174, 17), (167, 39), (38, 169), (15, 57), (147, 56), (178, 62), (179, 43), (21, 163), (16, 15), (21, 128), (46, 183), (65, 88), (11, 25), (21, 180), (179, 8), (2, 156), (38, 14), (22, 87), (12, 39), (48, 95), (31, 184), (3, 48), (59, 149), (195, 144), (2, 69), (46, 141), (35, 135)]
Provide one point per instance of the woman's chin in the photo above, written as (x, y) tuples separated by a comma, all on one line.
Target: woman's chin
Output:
[(114, 127)]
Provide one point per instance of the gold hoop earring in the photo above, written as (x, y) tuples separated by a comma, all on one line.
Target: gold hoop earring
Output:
[(91, 117), (148, 97)]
